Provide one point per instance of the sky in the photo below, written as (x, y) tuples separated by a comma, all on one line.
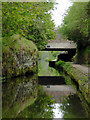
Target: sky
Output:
[(57, 14)]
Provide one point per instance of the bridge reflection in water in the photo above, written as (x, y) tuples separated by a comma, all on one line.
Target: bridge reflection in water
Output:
[(53, 84), (56, 86), (59, 91)]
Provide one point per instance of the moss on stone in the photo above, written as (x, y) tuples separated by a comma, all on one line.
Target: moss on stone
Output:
[(18, 56), (78, 76)]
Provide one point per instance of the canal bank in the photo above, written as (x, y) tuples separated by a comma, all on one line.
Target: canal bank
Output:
[(19, 79), (19, 56), (78, 77)]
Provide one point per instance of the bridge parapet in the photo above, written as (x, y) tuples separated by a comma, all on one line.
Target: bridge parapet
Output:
[(61, 45), (59, 49)]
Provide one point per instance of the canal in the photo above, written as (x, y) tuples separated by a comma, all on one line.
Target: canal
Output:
[(47, 94)]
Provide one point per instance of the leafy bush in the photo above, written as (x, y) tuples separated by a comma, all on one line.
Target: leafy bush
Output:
[(30, 19), (75, 24), (60, 63), (75, 27)]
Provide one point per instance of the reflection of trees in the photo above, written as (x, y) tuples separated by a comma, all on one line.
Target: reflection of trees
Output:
[(17, 93), (43, 65), (42, 108), (72, 107)]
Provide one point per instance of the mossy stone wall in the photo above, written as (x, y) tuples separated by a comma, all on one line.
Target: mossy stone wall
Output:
[(78, 76), (19, 56)]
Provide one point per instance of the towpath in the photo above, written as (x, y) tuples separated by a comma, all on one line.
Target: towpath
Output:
[(83, 68)]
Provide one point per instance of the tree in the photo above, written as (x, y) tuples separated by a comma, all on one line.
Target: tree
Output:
[(76, 24), (30, 19)]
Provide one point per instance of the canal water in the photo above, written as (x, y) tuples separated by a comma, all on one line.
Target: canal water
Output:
[(47, 94)]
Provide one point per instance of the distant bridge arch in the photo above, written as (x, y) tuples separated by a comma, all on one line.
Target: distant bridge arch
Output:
[(60, 44)]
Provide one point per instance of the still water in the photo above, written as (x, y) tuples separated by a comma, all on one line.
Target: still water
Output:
[(30, 97)]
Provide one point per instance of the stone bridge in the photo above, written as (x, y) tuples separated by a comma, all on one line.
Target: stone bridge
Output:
[(67, 47), (60, 44)]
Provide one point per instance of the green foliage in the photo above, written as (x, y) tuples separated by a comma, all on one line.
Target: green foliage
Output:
[(75, 24), (30, 19), (60, 63), (67, 65), (75, 27), (82, 56), (77, 75)]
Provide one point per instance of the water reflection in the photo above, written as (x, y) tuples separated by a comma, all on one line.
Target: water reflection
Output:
[(43, 63), (17, 94), (47, 106), (72, 108), (57, 111), (41, 108), (59, 91), (24, 98), (67, 103)]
